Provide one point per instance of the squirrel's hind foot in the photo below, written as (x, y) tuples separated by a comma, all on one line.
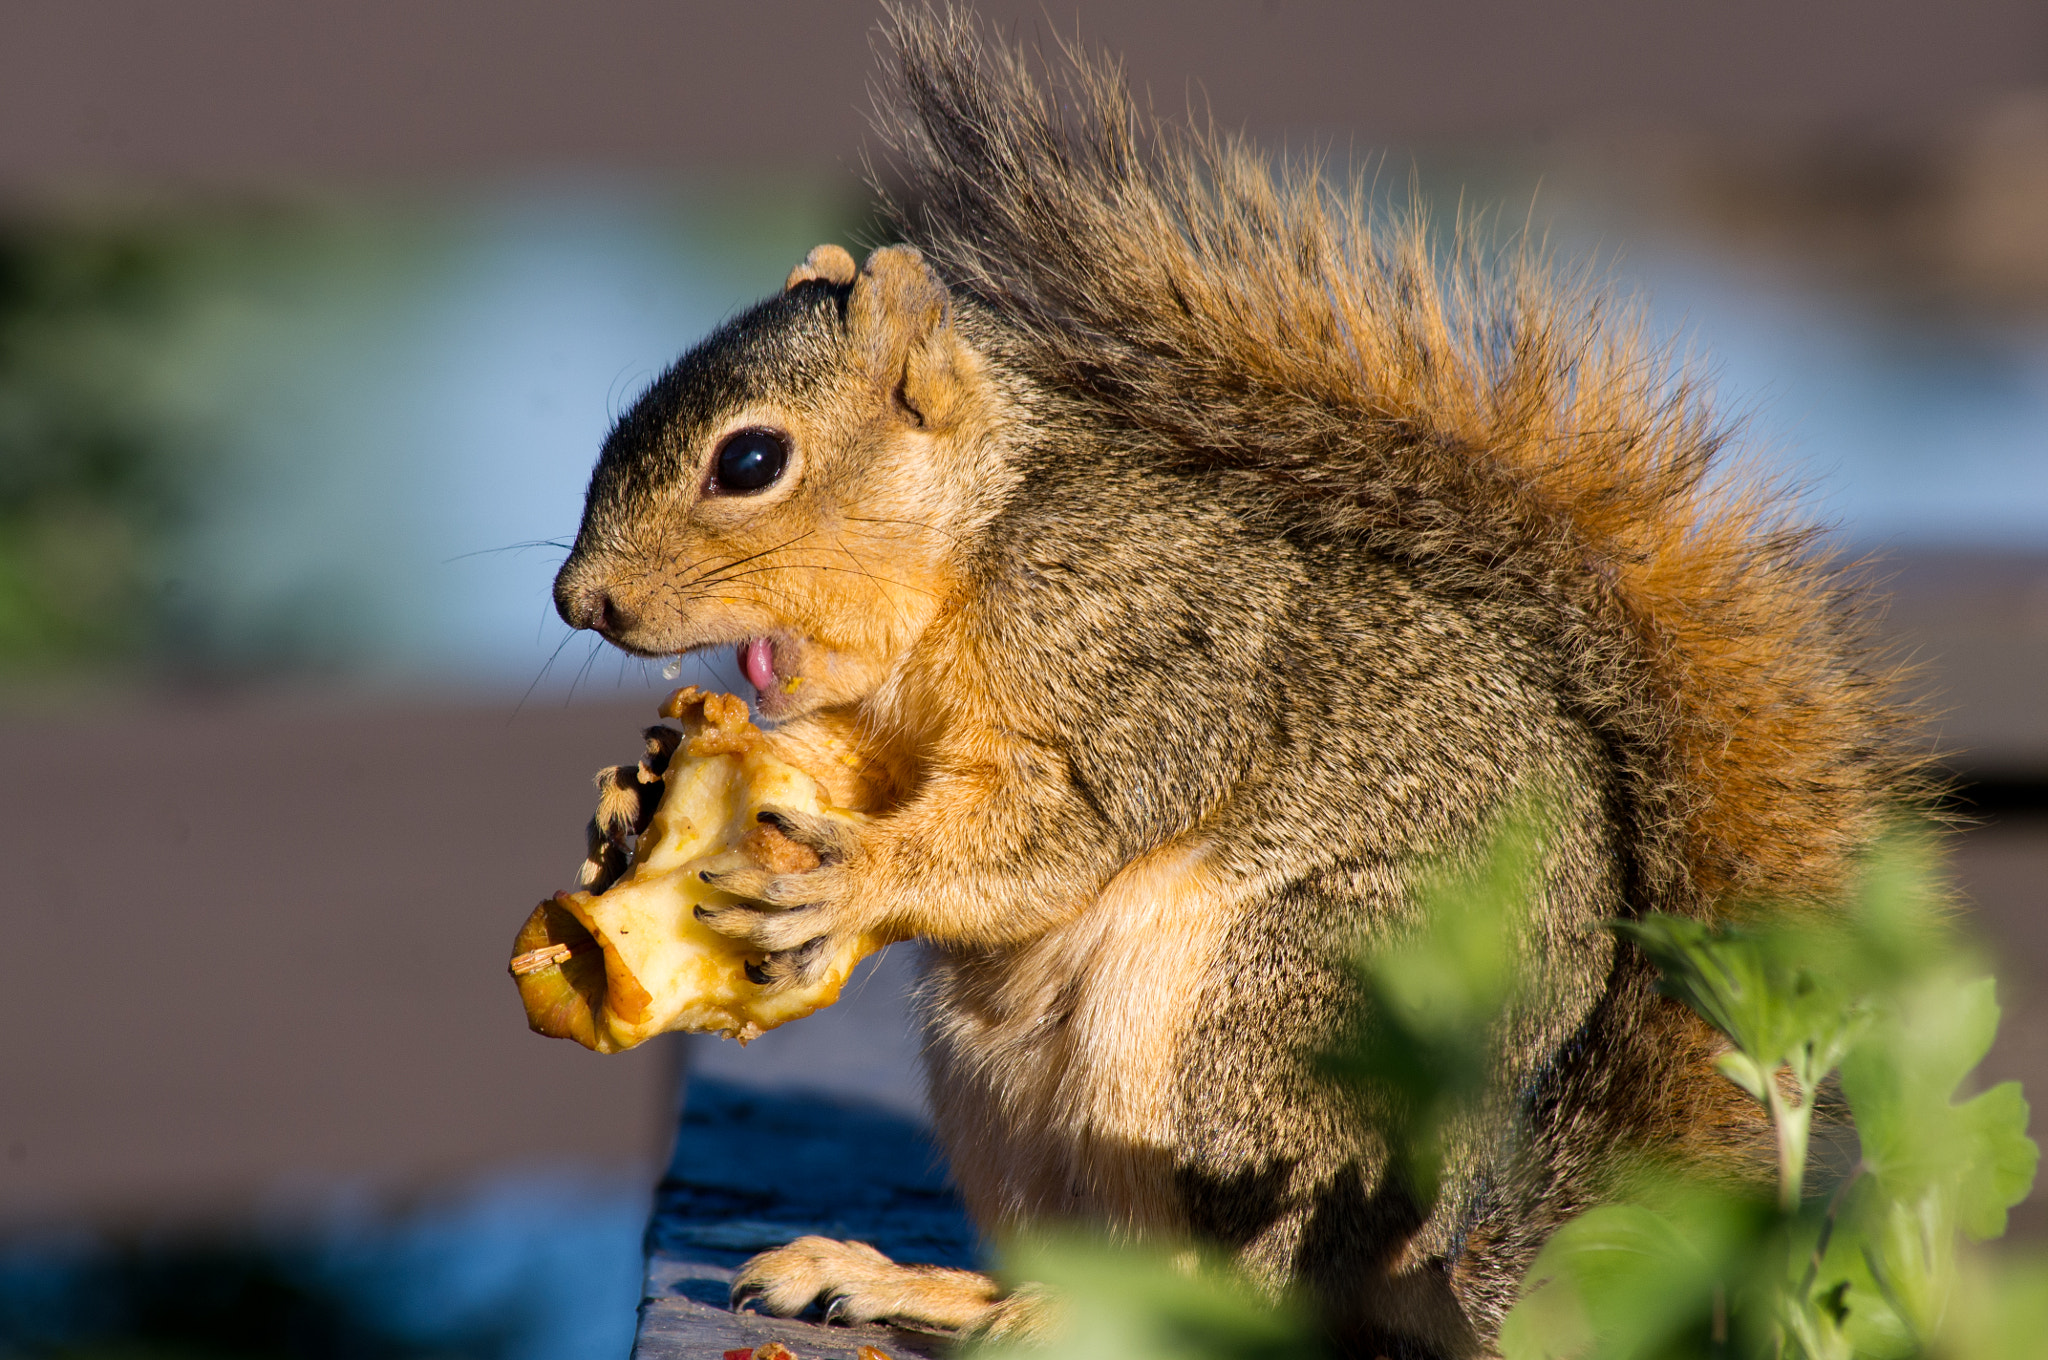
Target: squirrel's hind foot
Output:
[(852, 1282)]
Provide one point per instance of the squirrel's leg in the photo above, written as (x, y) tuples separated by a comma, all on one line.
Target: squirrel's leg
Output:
[(856, 1283), (989, 852), (626, 799)]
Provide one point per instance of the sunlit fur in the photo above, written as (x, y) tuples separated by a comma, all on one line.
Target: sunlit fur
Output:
[(1182, 563)]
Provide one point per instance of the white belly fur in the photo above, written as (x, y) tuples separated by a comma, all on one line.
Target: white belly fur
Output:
[(1052, 1064)]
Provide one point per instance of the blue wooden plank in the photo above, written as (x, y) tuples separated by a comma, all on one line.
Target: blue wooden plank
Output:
[(754, 1169)]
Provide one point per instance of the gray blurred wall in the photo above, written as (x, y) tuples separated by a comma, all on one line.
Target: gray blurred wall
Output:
[(136, 92)]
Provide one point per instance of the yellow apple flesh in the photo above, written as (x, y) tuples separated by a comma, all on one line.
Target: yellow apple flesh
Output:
[(612, 969)]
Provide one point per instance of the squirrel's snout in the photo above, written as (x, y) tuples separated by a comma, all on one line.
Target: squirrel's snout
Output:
[(589, 607)]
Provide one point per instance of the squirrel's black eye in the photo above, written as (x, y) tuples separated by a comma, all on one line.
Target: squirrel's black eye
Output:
[(749, 460)]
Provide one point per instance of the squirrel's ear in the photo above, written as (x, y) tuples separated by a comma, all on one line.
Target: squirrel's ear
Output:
[(903, 316), (828, 262)]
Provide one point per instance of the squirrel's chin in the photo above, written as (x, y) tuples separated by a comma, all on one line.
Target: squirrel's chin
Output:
[(778, 703), (778, 684)]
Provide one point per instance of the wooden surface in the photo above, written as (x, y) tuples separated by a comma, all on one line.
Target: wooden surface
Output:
[(1976, 623), (816, 1127), (260, 949), (754, 1169), (223, 91)]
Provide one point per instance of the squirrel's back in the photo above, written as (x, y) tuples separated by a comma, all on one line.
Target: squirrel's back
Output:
[(1499, 427)]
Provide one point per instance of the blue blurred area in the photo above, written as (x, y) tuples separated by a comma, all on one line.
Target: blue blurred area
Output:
[(405, 426), (541, 1267), (388, 409), (1910, 429)]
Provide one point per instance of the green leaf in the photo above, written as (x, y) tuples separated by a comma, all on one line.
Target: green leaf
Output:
[(1872, 1327), (1900, 1082), (1935, 1166), (1910, 1250), (2001, 1310), (1121, 1302), (1625, 1281), (1879, 994), (2001, 1173), (1762, 989), (1426, 1043), (1743, 1070)]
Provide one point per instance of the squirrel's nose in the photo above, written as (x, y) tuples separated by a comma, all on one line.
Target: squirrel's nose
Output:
[(590, 607)]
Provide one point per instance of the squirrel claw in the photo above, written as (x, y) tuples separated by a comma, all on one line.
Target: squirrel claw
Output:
[(787, 968), (774, 932), (783, 911), (761, 887)]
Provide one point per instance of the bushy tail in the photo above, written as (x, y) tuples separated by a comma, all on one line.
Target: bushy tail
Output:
[(1501, 426)]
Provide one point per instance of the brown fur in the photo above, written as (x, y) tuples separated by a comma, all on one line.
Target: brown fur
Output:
[(1182, 564)]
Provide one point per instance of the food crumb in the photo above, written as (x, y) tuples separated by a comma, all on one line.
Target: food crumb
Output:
[(533, 960), (775, 852), (725, 738), (682, 702), (871, 1353)]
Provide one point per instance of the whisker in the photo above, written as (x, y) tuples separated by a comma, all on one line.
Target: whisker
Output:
[(682, 571), (763, 588), (563, 544), (913, 523), (545, 667), (752, 557), (871, 576), (814, 566), (591, 660)]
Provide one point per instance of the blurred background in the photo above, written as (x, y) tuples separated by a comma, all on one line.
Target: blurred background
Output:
[(311, 319)]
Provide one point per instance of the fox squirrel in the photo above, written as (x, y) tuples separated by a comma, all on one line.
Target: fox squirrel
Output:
[(1191, 559)]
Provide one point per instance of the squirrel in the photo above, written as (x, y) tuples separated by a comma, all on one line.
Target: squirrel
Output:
[(1193, 559)]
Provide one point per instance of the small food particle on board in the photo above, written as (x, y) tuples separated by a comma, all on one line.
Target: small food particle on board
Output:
[(775, 1350)]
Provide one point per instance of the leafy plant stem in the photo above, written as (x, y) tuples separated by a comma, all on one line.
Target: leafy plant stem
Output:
[(1793, 1124), (1827, 1230)]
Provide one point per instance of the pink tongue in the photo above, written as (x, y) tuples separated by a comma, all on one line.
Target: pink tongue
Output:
[(757, 659)]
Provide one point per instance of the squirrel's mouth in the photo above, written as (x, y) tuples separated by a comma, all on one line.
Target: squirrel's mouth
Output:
[(773, 667), (757, 662)]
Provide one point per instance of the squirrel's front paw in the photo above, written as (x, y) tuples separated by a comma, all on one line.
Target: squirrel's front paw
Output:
[(786, 910)]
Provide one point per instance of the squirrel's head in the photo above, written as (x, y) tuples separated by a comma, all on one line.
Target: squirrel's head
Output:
[(798, 486)]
